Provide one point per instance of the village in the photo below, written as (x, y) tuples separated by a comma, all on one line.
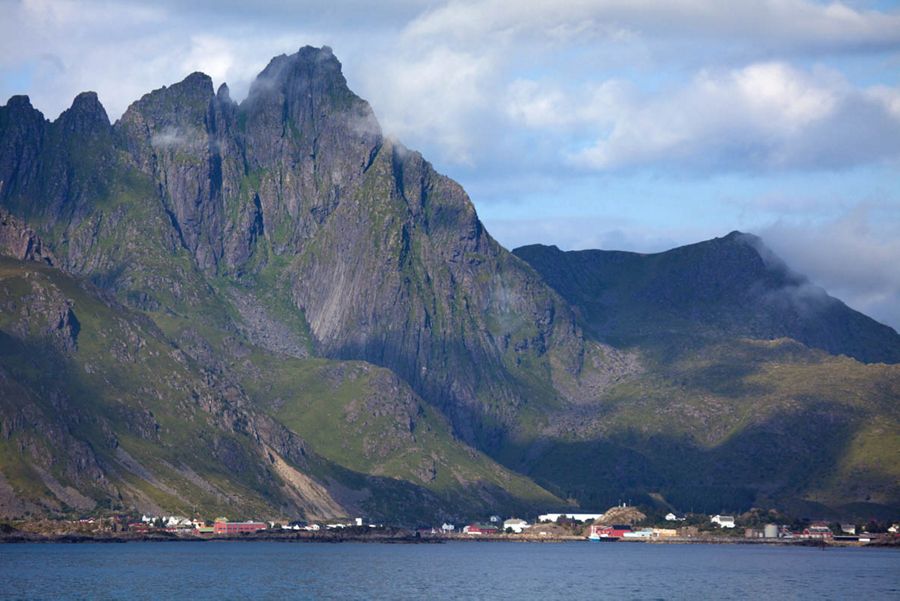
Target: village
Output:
[(617, 524)]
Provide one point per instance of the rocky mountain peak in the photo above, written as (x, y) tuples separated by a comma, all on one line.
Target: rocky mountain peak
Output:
[(18, 114), (85, 115), (197, 82), (307, 65), (223, 94), (309, 89), (184, 102), (19, 102)]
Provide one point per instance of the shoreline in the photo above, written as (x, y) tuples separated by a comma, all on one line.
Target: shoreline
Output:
[(405, 538)]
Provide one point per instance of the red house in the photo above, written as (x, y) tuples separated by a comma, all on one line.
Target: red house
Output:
[(223, 526), (138, 527), (476, 529), (617, 531)]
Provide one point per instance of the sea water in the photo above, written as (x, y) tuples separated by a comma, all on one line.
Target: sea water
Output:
[(272, 570)]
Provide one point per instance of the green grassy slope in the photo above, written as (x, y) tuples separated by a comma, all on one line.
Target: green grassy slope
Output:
[(367, 420), (143, 420), (100, 410), (718, 419)]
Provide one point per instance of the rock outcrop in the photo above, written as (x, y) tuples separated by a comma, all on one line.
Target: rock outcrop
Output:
[(19, 241)]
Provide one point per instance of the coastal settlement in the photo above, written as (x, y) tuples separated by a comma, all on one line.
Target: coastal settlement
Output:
[(617, 524)]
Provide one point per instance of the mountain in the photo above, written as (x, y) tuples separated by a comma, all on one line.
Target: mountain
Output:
[(755, 387), (99, 409), (289, 224), (719, 289), (270, 308)]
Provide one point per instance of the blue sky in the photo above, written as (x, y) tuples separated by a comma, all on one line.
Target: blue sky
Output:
[(626, 124)]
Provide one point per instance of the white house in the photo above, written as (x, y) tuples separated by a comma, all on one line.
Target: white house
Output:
[(724, 521), (638, 534), (516, 525), (671, 517), (578, 517)]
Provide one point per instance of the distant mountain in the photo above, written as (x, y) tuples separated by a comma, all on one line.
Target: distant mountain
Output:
[(735, 405), (269, 309), (722, 288)]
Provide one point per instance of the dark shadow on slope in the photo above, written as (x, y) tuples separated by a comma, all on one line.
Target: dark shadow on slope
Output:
[(718, 289), (787, 456)]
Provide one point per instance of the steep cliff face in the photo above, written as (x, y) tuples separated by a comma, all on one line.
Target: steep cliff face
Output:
[(284, 157), (385, 258), (172, 134), (403, 274), (53, 173), (308, 141), (22, 131)]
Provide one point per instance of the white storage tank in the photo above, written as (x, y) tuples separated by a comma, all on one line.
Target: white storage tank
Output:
[(770, 531)]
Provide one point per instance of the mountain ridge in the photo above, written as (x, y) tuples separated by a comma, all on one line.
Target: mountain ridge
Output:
[(755, 286)]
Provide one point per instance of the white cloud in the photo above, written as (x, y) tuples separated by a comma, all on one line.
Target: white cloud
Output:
[(211, 55), (599, 104), (763, 116), (854, 257), (436, 95), (170, 137), (767, 24)]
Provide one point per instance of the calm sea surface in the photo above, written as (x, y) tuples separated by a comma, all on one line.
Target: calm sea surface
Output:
[(264, 570)]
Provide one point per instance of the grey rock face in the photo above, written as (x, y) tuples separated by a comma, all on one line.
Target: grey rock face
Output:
[(308, 139), (171, 133), (387, 259), (22, 133), (19, 241)]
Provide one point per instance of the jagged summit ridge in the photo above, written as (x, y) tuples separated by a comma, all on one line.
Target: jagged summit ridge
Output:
[(381, 255)]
